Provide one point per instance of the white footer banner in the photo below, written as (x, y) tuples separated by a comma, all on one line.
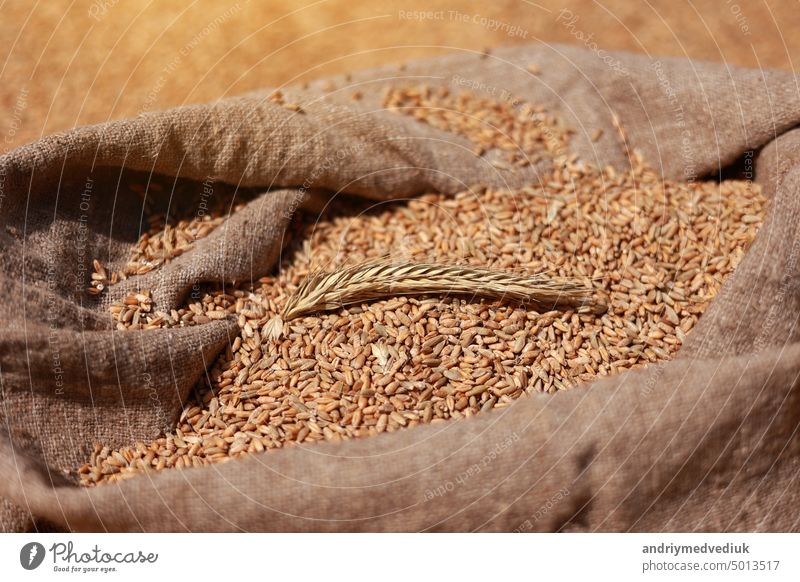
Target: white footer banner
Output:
[(406, 557)]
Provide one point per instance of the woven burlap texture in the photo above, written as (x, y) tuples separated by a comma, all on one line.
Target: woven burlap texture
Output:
[(705, 442)]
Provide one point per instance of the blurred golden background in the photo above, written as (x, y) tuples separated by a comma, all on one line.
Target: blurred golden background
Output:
[(72, 63)]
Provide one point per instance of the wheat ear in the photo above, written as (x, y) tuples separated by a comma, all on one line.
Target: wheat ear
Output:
[(380, 279)]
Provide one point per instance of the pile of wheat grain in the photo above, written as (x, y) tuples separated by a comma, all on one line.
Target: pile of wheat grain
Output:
[(523, 132), (655, 252), (177, 213)]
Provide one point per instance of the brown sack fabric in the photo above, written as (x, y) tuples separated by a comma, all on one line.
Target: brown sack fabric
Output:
[(705, 442)]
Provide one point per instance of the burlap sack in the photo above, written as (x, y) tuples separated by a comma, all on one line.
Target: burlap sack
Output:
[(705, 442)]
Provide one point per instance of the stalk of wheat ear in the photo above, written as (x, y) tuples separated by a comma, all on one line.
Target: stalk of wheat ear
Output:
[(382, 278)]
